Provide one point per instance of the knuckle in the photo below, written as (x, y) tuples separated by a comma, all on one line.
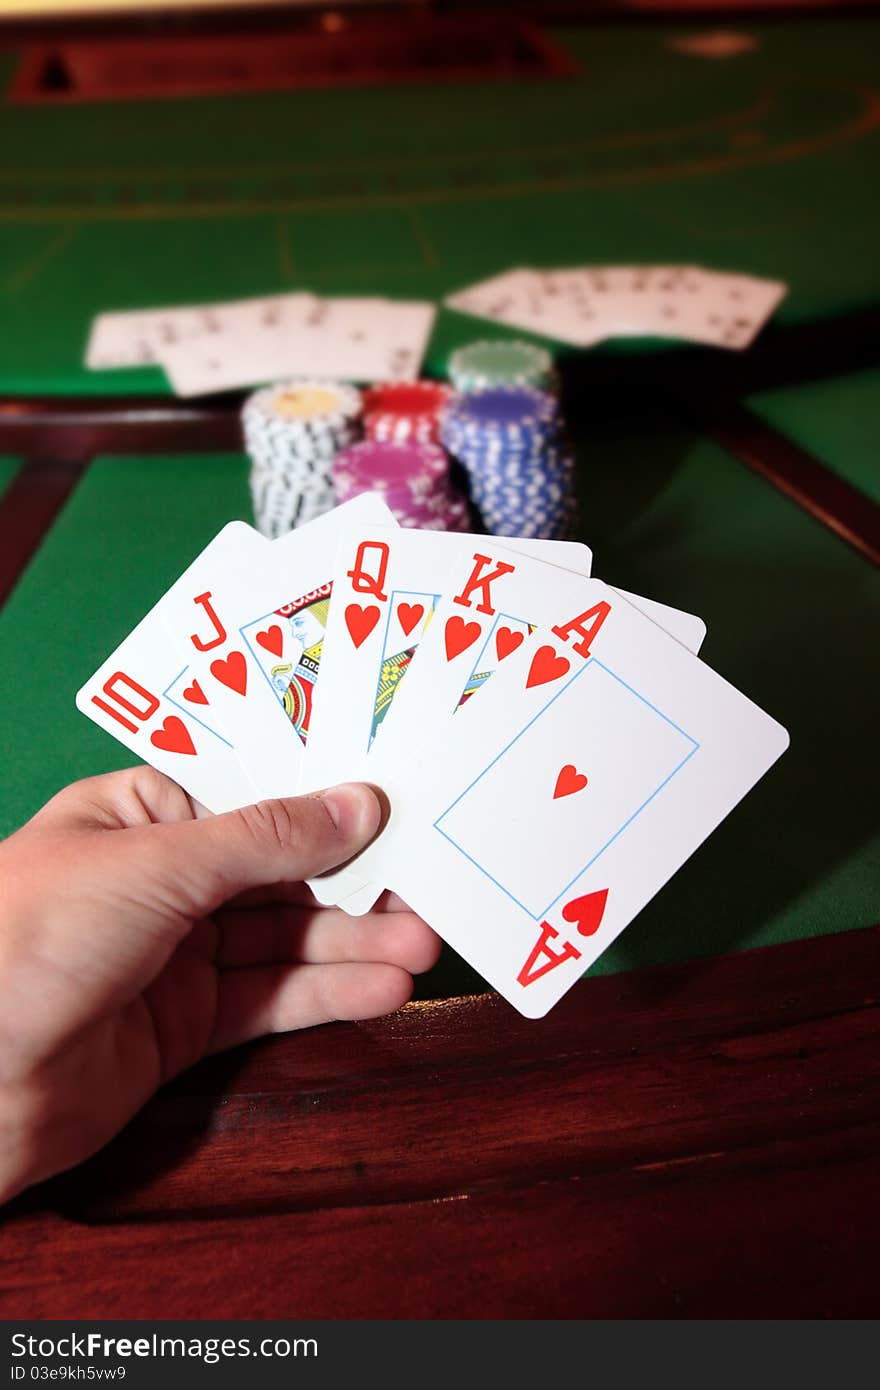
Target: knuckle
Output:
[(273, 823)]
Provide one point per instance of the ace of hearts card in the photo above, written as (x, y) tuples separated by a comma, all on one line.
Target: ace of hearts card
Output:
[(546, 814)]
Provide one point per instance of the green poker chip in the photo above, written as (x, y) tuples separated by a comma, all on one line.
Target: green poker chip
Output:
[(501, 362)]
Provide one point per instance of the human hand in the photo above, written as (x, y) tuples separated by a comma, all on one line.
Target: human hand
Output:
[(137, 936)]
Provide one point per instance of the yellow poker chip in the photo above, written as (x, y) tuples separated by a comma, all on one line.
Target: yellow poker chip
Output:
[(305, 403)]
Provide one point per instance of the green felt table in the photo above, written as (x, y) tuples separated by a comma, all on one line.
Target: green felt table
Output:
[(8, 469), (763, 162), (788, 608), (837, 420)]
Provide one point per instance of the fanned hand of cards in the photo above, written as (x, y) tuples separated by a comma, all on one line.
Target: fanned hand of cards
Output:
[(552, 749), (583, 305), (216, 347)]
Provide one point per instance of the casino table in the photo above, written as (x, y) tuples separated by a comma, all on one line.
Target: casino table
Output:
[(694, 1130)]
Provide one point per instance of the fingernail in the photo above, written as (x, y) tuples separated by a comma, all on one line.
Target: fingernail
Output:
[(354, 809)]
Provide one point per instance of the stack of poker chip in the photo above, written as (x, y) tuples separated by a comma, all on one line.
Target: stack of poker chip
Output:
[(501, 362), (520, 467), (413, 479), (399, 411), (292, 433)]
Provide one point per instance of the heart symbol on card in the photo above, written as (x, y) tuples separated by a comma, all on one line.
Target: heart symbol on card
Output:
[(569, 781), (586, 912), (195, 694), (272, 640), (360, 621), (408, 614), (459, 636), (232, 672), (546, 666), (173, 737), (507, 640)]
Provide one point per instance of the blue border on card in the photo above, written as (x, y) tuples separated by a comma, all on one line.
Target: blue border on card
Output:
[(188, 712), (591, 661)]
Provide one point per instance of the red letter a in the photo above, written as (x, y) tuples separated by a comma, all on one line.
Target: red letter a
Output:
[(531, 970)]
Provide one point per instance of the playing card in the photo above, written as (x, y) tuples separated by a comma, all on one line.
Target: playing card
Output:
[(583, 305), (258, 342), (455, 663), (686, 628), (367, 339), (496, 298), (349, 339), (539, 821), (251, 631), (626, 297), (140, 696), (557, 304), (134, 338), (386, 585), (703, 306)]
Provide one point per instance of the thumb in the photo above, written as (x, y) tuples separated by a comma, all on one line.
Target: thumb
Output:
[(201, 863)]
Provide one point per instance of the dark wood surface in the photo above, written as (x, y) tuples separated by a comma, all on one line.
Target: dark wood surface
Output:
[(695, 1140), (840, 506), (27, 509)]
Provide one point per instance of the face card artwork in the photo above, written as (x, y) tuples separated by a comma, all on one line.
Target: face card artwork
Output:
[(408, 617), (286, 644), (225, 615), (381, 605), (599, 758)]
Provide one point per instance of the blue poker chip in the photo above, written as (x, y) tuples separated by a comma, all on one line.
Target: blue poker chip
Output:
[(547, 455), (499, 409), (544, 491), (549, 489), (522, 477), (520, 466), (544, 514), (546, 459), (516, 502), (521, 446)]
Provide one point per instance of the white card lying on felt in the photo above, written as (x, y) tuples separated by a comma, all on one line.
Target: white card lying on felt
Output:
[(557, 304), (252, 636), (138, 337), (546, 814), (505, 591), (726, 311), (584, 305), (246, 350), (386, 584), (142, 696), (360, 339)]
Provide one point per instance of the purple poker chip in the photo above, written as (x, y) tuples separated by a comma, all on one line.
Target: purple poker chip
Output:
[(374, 461)]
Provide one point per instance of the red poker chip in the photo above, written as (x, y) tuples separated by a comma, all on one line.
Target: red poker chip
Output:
[(406, 398), (405, 410), (403, 429)]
